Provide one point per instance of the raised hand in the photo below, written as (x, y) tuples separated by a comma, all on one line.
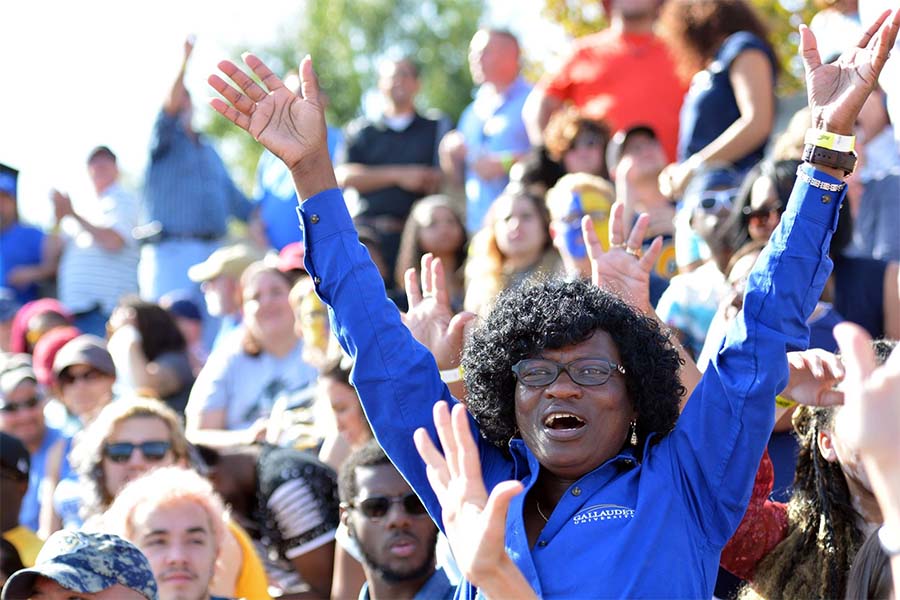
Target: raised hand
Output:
[(475, 522), (837, 91), (813, 375), (430, 317), (291, 126), (623, 269)]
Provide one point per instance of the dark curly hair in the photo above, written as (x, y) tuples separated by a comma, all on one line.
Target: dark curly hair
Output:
[(557, 313)]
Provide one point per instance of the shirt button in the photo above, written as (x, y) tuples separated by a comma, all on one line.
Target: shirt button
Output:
[(542, 543), (314, 219), (317, 280), (576, 491), (628, 462), (826, 198)]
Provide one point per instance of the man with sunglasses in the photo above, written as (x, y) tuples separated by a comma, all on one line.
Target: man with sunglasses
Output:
[(22, 415), (391, 529)]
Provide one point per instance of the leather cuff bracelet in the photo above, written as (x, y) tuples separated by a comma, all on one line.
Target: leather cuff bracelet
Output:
[(845, 161)]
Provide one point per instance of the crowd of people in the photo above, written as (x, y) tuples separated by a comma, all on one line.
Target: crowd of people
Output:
[(609, 335)]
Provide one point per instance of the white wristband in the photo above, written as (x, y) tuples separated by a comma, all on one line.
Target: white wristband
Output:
[(452, 375), (831, 141), (890, 540)]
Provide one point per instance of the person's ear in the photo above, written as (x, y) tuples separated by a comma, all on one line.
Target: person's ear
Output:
[(345, 520), (553, 231), (825, 442)]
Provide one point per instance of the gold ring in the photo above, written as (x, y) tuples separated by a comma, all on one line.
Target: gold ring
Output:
[(635, 252), (611, 246)]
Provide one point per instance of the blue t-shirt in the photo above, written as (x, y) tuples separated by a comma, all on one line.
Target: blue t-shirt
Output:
[(20, 245), (31, 503), (710, 107)]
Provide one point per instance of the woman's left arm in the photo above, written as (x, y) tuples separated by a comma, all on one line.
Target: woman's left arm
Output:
[(752, 81)]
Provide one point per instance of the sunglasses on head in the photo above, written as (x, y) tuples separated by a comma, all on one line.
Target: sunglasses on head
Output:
[(67, 378), (13, 407), (153, 451), (713, 200), (376, 507)]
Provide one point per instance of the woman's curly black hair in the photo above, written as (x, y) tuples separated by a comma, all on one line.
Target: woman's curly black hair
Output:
[(558, 313)]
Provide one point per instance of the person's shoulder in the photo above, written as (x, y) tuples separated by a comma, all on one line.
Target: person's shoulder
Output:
[(741, 41), (600, 40), (359, 126)]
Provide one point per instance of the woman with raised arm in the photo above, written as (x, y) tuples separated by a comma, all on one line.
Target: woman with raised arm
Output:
[(575, 393)]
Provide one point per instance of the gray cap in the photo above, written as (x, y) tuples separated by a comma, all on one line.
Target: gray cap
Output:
[(84, 350), (14, 369), (86, 563)]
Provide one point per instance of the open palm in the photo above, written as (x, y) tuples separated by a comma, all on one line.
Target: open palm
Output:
[(291, 126)]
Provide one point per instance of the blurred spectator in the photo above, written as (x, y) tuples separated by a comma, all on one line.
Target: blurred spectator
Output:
[(45, 352), (490, 136), (434, 226), (178, 521), (288, 502), (189, 319), (14, 475), (10, 562), (8, 309), (690, 302), (729, 111), (29, 256), (513, 245), (188, 196), (836, 25), (390, 530), (150, 353), (290, 261), (100, 256), (536, 172), (573, 197), (274, 220), (352, 430), (311, 322), (130, 438), (22, 415), (623, 75), (578, 143), (240, 383), (393, 161), (219, 277), (761, 200), (35, 319), (88, 566)]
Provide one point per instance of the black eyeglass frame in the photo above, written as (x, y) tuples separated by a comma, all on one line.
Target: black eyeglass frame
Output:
[(406, 500), (560, 367)]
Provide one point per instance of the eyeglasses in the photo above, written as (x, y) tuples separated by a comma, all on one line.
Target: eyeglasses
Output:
[(714, 199), (68, 378), (121, 452), (539, 372), (760, 214), (376, 507), (13, 407)]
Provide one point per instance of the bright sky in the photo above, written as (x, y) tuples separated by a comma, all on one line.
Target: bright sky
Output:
[(81, 73)]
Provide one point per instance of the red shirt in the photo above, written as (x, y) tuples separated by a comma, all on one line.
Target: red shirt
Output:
[(624, 79)]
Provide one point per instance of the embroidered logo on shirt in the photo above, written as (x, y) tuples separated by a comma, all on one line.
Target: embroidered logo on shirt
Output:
[(602, 512)]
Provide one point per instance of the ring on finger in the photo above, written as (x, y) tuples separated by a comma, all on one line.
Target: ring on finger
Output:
[(635, 252), (617, 246)]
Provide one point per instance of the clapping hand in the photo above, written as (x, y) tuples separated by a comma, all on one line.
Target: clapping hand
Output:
[(623, 269)]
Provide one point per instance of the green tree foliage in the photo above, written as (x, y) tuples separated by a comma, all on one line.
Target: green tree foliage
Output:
[(348, 38), (579, 17)]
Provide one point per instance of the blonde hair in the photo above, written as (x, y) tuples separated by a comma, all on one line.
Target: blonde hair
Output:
[(164, 487), (87, 451)]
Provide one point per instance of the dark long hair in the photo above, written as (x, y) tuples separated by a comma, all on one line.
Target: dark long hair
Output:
[(159, 332)]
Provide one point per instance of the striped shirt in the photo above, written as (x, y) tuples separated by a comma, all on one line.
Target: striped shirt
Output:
[(187, 188), (89, 275)]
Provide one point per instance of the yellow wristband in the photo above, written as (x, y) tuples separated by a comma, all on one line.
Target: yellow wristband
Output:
[(452, 375), (831, 141), (784, 402), (507, 160)]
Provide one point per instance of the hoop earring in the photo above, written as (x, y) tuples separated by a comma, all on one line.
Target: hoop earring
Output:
[(634, 438)]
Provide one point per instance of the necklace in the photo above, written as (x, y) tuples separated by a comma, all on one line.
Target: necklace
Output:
[(537, 505)]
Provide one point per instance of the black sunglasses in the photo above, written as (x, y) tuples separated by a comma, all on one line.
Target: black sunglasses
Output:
[(13, 407), (376, 507), (120, 452), (67, 378)]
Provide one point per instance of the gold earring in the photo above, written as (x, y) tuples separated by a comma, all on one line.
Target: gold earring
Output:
[(634, 439)]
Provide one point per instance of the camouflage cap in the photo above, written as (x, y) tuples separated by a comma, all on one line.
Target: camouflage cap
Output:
[(86, 563)]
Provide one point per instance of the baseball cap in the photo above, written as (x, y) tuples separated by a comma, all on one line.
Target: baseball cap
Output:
[(47, 348), (185, 308), (291, 258), (14, 369), (616, 145), (14, 456), (88, 350), (86, 563), (228, 260)]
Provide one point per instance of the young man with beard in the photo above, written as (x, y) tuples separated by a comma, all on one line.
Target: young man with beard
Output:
[(391, 529)]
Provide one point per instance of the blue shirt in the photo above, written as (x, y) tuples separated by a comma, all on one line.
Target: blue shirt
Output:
[(710, 107), (492, 124), (31, 503), (276, 198), (640, 529), (187, 188), (20, 246), (438, 587)]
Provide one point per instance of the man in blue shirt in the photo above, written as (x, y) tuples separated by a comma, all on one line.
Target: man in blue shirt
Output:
[(491, 135), (188, 197), (619, 497)]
